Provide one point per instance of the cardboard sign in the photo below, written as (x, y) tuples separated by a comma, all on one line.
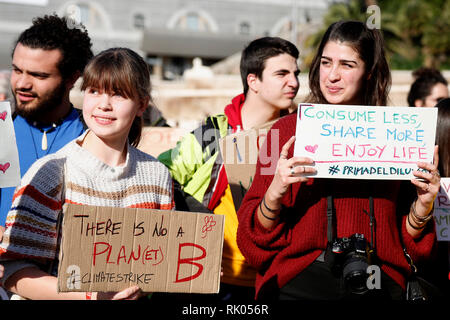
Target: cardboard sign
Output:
[(365, 142), (239, 152), (442, 211), (155, 140), (110, 249), (9, 156)]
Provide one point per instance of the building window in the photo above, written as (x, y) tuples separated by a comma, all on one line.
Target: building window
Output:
[(244, 28), (87, 14), (139, 21), (192, 20)]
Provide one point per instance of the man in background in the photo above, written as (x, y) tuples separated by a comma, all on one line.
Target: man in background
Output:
[(47, 60), (269, 74)]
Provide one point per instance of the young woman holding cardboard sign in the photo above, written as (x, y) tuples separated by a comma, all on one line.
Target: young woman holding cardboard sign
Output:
[(308, 237), (100, 168)]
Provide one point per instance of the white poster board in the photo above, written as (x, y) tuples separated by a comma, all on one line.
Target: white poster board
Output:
[(365, 142), (9, 156), (442, 211)]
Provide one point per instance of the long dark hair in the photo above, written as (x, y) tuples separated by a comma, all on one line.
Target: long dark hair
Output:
[(424, 81), (123, 71), (369, 44), (443, 136)]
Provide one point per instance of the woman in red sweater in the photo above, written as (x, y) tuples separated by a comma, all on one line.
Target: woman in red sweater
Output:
[(283, 226)]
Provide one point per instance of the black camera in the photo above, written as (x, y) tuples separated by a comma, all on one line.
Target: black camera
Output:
[(352, 256)]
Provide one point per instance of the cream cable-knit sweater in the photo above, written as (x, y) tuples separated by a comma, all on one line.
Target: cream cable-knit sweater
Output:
[(142, 182)]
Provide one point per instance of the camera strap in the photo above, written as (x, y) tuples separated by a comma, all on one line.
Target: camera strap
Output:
[(330, 232), (331, 225), (330, 214), (372, 222)]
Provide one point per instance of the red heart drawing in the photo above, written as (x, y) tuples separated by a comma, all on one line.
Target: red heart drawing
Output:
[(3, 115), (311, 149), (4, 167)]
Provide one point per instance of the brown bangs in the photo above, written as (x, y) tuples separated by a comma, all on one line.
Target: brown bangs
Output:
[(111, 73)]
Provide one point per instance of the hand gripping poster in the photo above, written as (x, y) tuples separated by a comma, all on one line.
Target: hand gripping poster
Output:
[(365, 142)]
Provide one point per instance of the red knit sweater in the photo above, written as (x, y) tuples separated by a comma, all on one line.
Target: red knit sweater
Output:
[(300, 235)]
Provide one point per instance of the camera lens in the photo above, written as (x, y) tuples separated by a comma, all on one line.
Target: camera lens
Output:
[(355, 274)]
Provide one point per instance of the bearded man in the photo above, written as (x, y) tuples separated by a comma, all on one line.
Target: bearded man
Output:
[(47, 60)]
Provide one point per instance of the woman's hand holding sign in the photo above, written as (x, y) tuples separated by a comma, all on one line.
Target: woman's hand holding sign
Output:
[(427, 182), (288, 171)]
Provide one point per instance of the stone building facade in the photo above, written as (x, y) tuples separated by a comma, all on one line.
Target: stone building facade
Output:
[(169, 33)]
